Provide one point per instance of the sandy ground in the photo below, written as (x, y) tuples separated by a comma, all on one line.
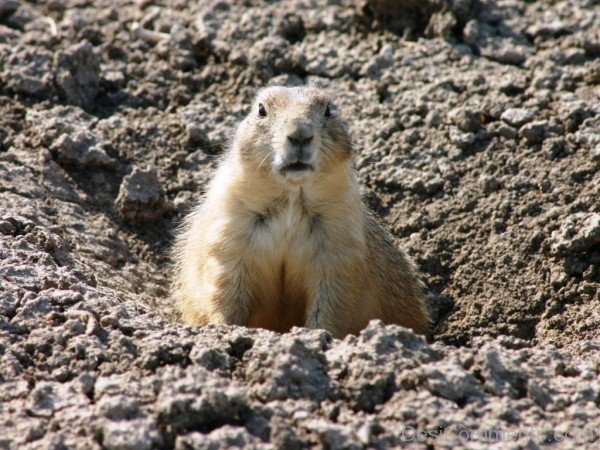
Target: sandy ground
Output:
[(477, 129)]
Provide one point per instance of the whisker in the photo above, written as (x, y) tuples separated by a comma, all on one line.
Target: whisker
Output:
[(260, 165), (328, 149)]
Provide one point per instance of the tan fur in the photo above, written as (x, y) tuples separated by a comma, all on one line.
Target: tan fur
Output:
[(274, 250)]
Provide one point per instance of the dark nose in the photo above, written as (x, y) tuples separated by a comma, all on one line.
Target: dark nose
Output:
[(302, 135)]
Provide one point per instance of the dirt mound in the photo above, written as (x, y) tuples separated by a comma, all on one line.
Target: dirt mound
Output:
[(478, 141)]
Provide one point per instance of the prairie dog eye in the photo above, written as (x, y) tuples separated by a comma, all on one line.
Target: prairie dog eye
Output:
[(262, 112), (328, 110)]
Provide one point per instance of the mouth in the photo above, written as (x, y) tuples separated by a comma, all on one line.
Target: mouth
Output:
[(297, 166)]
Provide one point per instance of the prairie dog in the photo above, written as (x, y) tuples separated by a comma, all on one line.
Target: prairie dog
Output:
[(282, 237)]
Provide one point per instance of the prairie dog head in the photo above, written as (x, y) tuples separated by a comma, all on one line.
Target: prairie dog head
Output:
[(294, 133)]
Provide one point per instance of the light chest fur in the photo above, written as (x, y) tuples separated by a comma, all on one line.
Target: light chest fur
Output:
[(273, 247)]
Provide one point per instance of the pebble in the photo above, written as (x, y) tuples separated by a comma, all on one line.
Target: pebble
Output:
[(141, 196), (595, 152), (534, 132), (517, 117), (465, 119), (577, 233), (78, 74)]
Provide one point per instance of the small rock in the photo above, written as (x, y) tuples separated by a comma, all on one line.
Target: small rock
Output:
[(548, 29), (539, 394), (460, 139), (73, 19), (67, 132), (204, 130), (333, 435), (138, 434), (81, 149), (464, 119), (8, 7), (451, 381), (534, 132), (502, 129), (141, 197), (117, 407), (28, 71), (295, 370), (573, 56), (513, 83), (7, 34), (270, 55), (517, 117), (472, 32), (441, 24), (225, 437), (85, 383), (78, 74), (433, 119), (61, 374), (489, 183), (502, 374), (503, 50), (209, 21), (595, 152), (23, 16), (113, 78), (508, 132), (577, 233), (211, 358), (195, 131), (368, 431), (554, 147), (572, 114)]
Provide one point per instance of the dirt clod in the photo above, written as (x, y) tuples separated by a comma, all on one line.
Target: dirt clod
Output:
[(141, 196)]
